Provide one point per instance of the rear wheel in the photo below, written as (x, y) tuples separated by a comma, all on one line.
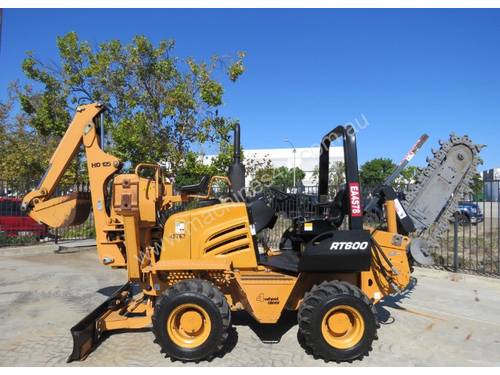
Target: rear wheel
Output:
[(463, 219), (337, 322), (191, 320)]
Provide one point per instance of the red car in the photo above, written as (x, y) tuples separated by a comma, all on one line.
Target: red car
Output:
[(14, 222)]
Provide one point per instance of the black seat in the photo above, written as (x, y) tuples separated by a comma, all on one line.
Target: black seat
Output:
[(207, 202), (339, 207), (286, 261), (200, 187)]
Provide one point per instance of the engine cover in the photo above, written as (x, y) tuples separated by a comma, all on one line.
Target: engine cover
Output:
[(338, 251)]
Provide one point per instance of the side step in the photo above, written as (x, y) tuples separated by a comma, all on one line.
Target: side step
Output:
[(86, 334)]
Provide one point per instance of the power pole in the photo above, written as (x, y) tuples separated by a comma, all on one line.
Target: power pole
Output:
[(294, 154)]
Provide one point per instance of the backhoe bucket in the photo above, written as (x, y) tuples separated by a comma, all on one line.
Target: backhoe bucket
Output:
[(68, 210), (87, 334)]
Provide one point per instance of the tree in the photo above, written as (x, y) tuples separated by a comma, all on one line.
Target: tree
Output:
[(194, 168), (408, 176), (26, 152), (280, 178), (477, 187), (375, 171), (253, 164), (336, 176), (159, 105), (23, 154)]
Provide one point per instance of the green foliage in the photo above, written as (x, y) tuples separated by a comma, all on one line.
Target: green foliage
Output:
[(192, 170), (193, 167), (159, 105), (375, 171), (336, 176), (280, 178), (477, 186), (6, 240), (408, 176), (27, 151), (237, 68)]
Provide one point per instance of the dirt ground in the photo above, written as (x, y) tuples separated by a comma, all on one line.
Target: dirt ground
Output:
[(446, 319)]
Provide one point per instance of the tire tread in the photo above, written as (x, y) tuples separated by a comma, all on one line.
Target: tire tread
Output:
[(313, 300), (198, 286)]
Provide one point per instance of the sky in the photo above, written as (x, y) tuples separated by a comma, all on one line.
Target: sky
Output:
[(395, 73)]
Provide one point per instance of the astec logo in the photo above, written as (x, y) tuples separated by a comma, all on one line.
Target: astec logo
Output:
[(355, 198)]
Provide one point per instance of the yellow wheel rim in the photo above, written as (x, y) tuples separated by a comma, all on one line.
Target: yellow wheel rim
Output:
[(188, 325), (343, 327)]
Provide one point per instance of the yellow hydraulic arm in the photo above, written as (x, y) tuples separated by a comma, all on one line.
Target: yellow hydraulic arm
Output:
[(114, 245), (63, 211), (74, 208)]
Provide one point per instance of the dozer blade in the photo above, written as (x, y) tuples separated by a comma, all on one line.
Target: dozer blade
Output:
[(72, 209), (87, 333)]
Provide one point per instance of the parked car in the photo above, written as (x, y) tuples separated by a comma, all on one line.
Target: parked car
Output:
[(14, 222), (470, 213)]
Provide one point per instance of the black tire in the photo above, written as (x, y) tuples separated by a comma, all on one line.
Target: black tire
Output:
[(318, 302), (463, 219), (203, 294)]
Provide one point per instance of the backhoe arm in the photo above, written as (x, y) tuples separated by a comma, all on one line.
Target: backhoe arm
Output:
[(74, 208), (63, 155)]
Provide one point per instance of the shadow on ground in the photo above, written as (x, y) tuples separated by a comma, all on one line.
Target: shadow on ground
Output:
[(267, 333), (384, 315), (273, 333), (109, 290)]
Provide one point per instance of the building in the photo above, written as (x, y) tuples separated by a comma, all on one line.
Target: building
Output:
[(491, 180), (306, 158)]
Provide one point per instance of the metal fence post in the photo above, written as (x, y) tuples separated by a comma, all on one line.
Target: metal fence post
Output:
[(456, 217)]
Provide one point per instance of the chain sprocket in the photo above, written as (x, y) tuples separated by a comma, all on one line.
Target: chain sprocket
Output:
[(433, 199)]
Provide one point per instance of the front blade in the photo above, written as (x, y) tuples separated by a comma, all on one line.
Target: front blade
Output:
[(86, 334)]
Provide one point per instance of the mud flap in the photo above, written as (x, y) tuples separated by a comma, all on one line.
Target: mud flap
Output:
[(86, 335)]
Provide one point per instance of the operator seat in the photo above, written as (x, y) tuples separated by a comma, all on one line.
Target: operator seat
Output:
[(198, 188), (289, 258), (339, 207)]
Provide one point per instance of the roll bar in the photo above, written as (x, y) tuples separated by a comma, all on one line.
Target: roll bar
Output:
[(353, 187)]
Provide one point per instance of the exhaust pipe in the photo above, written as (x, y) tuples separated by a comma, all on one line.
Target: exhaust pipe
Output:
[(237, 144), (236, 171)]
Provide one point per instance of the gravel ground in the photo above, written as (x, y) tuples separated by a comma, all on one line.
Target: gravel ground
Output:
[(446, 319)]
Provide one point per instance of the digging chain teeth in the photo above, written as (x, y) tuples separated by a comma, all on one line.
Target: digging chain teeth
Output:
[(434, 232)]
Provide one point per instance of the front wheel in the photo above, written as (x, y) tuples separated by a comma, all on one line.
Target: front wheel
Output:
[(337, 321), (191, 320), (463, 220)]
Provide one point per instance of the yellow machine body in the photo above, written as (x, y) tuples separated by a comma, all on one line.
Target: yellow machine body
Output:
[(215, 243)]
